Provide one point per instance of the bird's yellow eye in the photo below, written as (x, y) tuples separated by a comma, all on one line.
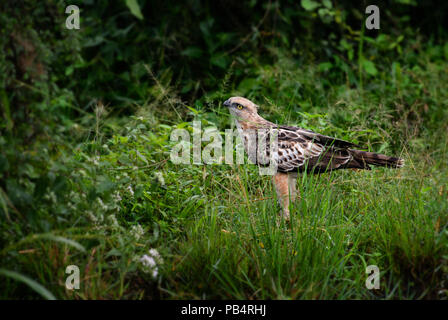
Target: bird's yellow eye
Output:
[(239, 107)]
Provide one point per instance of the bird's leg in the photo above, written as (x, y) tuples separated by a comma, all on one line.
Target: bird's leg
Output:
[(285, 186), (292, 184)]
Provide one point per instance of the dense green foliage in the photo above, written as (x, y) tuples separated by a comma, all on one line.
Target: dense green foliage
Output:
[(86, 178)]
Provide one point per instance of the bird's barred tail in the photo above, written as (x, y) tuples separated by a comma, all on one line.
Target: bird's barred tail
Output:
[(377, 159)]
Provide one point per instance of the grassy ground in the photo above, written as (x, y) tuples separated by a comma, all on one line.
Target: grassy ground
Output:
[(111, 194)]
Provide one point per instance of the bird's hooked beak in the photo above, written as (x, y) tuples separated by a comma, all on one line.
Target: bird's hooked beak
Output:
[(227, 103)]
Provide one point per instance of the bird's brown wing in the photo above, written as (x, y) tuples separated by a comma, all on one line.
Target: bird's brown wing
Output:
[(320, 138), (304, 150)]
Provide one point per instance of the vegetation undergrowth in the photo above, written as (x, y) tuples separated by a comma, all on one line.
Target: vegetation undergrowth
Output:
[(86, 177)]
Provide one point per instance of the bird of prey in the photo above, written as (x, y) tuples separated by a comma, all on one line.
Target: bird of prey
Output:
[(301, 150)]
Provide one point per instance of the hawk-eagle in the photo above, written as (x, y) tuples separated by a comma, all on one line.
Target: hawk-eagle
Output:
[(301, 150)]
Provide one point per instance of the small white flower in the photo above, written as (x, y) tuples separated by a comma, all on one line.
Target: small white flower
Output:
[(113, 220), (117, 196), (102, 205), (148, 261), (149, 265), (130, 190), (74, 195), (52, 197), (156, 255), (92, 216), (137, 231), (160, 178)]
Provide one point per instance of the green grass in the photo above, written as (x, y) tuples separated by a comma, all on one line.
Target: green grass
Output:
[(101, 203), (342, 224)]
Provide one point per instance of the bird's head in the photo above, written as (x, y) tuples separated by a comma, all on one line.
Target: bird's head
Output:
[(242, 108)]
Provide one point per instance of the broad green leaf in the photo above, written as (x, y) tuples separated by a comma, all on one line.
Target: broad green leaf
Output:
[(104, 184), (164, 126), (52, 237), (135, 8), (124, 159), (193, 110), (327, 3), (3, 204), (220, 61), (141, 157), (309, 5), (192, 52), (325, 66), (114, 252), (369, 67), (247, 85), (29, 282)]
